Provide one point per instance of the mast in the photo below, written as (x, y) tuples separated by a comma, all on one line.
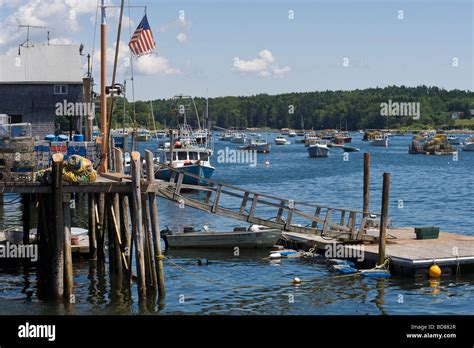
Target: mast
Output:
[(153, 117), (207, 109), (124, 107), (103, 84)]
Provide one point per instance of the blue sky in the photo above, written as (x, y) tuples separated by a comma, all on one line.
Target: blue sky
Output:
[(275, 54)]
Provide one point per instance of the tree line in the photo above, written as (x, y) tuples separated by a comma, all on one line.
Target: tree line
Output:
[(351, 110)]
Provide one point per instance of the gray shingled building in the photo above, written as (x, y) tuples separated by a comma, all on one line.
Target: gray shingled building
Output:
[(32, 82)]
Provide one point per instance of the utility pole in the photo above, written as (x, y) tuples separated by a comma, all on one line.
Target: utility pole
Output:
[(103, 93)]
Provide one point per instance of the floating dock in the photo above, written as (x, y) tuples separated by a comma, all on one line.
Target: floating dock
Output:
[(408, 255)]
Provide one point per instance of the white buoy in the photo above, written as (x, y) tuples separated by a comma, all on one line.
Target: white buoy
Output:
[(296, 281), (275, 255)]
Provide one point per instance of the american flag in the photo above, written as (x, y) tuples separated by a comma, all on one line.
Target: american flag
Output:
[(142, 41)]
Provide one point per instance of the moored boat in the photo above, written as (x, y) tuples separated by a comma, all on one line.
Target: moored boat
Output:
[(241, 237), (310, 137), (193, 160), (258, 144), (468, 144), (143, 135), (228, 135), (350, 149), (239, 138), (438, 145), (318, 149), (454, 140), (281, 140), (379, 140)]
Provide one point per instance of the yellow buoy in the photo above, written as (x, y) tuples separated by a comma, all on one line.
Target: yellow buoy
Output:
[(435, 271)]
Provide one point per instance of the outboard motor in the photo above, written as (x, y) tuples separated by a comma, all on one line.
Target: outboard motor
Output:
[(163, 234)]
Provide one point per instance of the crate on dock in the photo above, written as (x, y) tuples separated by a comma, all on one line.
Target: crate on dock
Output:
[(21, 176), (76, 148), (430, 232), (58, 146), (23, 144)]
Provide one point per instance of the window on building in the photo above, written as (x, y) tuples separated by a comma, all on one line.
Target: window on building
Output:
[(60, 89)]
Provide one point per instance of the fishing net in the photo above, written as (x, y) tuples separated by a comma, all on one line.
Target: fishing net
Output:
[(77, 169)]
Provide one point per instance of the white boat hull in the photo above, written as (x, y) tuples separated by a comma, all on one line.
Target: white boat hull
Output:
[(261, 148), (468, 147), (316, 150), (379, 142), (281, 142), (240, 140)]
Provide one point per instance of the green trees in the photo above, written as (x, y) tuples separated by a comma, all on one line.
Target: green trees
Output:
[(326, 109)]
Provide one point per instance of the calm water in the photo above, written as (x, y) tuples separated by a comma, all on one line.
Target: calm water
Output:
[(434, 191)]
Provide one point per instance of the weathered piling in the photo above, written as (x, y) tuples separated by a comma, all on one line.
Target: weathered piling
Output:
[(92, 223), (58, 235), (366, 183), (44, 248), (101, 227), (68, 271), (125, 233), (124, 224), (149, 269), (150, 169), (137, 223), (384, 217)]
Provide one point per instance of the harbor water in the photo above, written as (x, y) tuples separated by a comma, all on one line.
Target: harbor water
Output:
[(425, 191)]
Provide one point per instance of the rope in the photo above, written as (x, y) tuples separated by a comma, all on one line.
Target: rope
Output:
[(194, 274)]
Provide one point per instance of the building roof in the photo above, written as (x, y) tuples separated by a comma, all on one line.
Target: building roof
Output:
[(42, 64)]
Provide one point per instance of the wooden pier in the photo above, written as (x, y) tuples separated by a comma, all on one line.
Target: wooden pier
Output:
[(123, 219)]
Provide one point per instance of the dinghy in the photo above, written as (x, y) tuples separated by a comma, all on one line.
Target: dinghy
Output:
[(254, 237)]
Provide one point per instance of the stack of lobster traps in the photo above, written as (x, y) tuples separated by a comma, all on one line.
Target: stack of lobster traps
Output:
[(17, 160)]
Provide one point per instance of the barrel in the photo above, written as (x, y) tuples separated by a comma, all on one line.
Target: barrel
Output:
[(78, 137)]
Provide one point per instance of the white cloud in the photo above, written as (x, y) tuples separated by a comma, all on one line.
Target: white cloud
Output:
[(153, 64), (280, 72), (264, 65), (182, 38), (61, 41), (267, 56)]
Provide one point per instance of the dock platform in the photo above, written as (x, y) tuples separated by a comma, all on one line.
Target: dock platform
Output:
[(407, 254)]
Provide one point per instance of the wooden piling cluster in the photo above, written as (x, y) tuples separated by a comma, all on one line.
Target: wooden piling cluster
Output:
[(123, 222)]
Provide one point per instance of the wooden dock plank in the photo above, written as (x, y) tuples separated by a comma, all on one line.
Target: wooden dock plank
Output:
[(404, 249)]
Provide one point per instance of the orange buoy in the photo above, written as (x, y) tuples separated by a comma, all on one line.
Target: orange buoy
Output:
[(297, 281), (434, 271)]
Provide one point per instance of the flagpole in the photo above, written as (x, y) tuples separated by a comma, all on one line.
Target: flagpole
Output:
[(114, 73), (103, 93)]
